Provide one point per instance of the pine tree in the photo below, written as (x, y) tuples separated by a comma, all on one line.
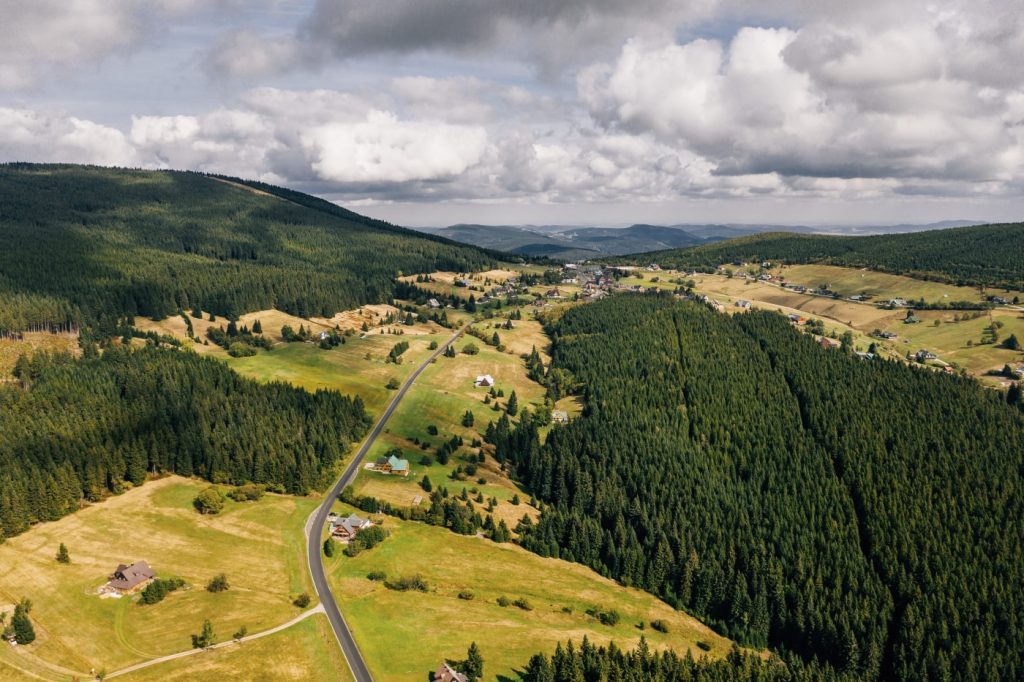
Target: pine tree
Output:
[(62, 554), (24, 633), (513, 405), (473, 666)]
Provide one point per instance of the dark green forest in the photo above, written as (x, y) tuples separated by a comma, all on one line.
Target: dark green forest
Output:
[(863, 514), (987, 254), (589, 663), (84, 429), (84, 245)]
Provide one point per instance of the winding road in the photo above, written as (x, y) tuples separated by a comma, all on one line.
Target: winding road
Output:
[(316, 523)]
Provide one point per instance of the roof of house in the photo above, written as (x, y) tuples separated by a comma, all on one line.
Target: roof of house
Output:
[(126, 576), (559, 414), (352, 523), (398, 464), (485, 380), (450, 673)]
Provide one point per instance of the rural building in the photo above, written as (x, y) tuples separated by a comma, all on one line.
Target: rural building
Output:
[(826, 342), (559, 416), (484, 380), (392, 465), (344, 529), (446, 673), (128, 578), (888, 335), (323, 336), (553, 293), (742, 304), (924, 355), (434, 303)]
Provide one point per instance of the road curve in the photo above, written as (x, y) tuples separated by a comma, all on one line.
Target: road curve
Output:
[(314, 553)]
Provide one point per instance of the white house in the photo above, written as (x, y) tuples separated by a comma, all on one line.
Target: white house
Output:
[(484, 380)]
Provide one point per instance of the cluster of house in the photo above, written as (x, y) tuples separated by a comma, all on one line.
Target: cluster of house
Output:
[(596, 282), (344, 528), (128, 578), (392, 465)]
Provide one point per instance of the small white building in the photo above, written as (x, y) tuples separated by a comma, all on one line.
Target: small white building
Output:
[(559, 416), (434, 303), (485, 380)]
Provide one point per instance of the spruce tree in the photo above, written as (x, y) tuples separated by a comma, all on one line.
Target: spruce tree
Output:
[(62, 554)]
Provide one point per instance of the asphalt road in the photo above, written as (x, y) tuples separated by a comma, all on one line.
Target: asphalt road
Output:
[(314, 552)]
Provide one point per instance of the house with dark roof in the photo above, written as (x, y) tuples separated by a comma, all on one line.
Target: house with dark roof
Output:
[(347, 527), (128, 578), (446, 673)]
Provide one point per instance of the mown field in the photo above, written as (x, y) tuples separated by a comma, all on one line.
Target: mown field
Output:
[(305, 651), (404, 635), (34, 342), (258, 545)]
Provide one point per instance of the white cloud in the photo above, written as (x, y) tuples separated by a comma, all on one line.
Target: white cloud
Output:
[(383, 149), (36, 136)]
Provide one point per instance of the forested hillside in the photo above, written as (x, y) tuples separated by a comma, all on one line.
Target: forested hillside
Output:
[(986, 254), (74, 429), (79, 245), (864, 513)]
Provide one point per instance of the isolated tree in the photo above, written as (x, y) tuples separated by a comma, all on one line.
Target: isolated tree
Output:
[(1011, 343), (329, 547), (257, 327), (62, 554), (513, 404), (426, 484), (205, 638), (209, 501), (21, 625), (468, 418), (240, 634), (473, 666), (302, 601)]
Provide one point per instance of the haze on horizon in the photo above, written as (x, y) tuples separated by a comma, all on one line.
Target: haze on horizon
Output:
[(576, 112)]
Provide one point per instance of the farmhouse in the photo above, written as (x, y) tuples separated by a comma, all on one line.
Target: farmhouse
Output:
[(446, 673), (742, 304), (923, 355), (826, 342), (484, 380), (434, 303), (553, 293), (392, 465), (559, 416), (128, 578), (344, 529)]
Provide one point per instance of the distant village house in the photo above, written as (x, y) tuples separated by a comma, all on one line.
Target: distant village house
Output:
[(345, 528), (128, 578), (446, 673)]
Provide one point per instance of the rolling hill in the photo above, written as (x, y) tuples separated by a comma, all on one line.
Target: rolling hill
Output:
[(983, 254), (81, 245)]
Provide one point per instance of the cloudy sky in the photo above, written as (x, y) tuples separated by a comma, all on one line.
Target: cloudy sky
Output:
[(429, 112)]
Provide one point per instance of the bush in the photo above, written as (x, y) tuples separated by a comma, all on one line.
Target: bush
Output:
[(158, 589), (703, 646), (377, 576), (415, 582), (660, 625), (392, 384), (466, 595), (218, 584), (210, 501), (471, 349), (329, 547), (302, 601), (523, 604), (241, 350), (503, 601), (610, 617), (250, 492)]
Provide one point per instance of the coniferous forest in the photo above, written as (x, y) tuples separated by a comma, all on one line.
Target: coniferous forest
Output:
[(860, 514), (81, 246), (986, 254), (84, 429)]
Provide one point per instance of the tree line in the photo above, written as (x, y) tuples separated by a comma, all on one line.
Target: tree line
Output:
[(75, 430), (857, 513), (981, 255), (84, 246)]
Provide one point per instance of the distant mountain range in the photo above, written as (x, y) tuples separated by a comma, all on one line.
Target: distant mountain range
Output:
[(581, 242)]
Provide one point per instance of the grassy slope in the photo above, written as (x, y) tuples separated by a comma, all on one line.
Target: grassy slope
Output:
[(305, 651), (405, 634), (258, 545)]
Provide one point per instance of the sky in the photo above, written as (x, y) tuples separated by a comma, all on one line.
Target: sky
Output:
[(586, 112)]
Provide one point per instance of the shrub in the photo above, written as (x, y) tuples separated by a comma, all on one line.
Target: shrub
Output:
[(329, 547), (466, 595), (241, 350), (377, 576), (158, 589), (523, 604), (503, 601), (415, 582), (703, 646), (302, 601), (250, 492), (610, 617), (392, 384), (218, 584), (210, 501), (62, 554), (660, 625)]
